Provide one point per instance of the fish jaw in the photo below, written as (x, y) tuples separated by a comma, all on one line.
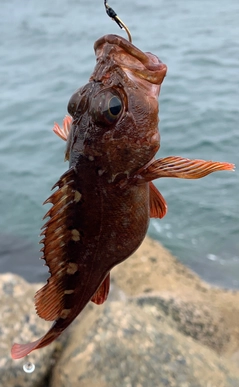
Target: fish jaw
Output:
[(130, 58)]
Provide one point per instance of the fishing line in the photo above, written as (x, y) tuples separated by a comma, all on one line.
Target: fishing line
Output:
[(113, 15)]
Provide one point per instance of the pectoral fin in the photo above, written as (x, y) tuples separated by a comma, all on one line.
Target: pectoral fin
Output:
[(102, 293), (174, 166), (64, 131), (158, 205)]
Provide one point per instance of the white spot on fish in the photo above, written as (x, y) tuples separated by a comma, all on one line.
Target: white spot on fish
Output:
[(100, 172), (65, 313), (69, 291), (77, 196), (75, 235), (91, 158), (72, 268)]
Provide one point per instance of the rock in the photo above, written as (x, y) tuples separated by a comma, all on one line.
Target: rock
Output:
[(193, 319), (209, 315), (19, 323), (161, 326), (168, 329), (133, 343)]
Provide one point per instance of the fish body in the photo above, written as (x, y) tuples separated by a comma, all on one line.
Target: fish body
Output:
[(101, 209)]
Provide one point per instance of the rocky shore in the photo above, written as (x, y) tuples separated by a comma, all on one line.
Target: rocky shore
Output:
[(162, 326)]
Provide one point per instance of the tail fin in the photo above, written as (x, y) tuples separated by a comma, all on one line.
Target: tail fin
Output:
[(21, 350)]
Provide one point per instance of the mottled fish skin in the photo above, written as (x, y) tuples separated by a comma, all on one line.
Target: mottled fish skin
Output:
[(101, 209)]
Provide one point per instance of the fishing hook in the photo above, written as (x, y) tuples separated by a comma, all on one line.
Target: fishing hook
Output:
[(111, 13)]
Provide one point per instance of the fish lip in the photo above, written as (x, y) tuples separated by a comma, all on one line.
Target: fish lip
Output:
[(153, 70)]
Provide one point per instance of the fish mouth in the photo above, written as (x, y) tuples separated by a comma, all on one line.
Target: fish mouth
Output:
[(133, 61)]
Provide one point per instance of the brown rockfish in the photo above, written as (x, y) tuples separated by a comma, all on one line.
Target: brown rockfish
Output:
[(103, 203)]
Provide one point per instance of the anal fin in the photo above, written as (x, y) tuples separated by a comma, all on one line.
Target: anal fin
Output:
[(158, 205), (102, 292)]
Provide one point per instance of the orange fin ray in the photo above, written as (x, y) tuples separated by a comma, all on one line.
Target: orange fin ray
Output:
[(64, 131), (59, 193), (102, 292), (158, 205), (183, 168), (49, 301)]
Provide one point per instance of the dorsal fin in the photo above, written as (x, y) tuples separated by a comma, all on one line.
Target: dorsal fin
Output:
[(49, 300), (158, 205), (102, 292)]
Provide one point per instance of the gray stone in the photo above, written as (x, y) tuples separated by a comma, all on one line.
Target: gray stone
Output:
[(210, 315), (19, 323), (194, 319), (124, 344), (161, 326)]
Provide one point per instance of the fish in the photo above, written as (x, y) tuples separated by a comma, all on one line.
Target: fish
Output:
[(102, 205)]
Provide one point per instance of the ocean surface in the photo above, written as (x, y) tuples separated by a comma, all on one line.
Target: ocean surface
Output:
[(46, 53)]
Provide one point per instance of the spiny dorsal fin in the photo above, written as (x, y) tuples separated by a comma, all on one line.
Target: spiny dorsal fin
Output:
[(49, 300)]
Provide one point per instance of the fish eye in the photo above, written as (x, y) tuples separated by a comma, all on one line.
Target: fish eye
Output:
[(106, 107), (114, 106)]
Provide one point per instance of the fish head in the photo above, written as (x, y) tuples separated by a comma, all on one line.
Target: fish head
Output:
[(115, 116)]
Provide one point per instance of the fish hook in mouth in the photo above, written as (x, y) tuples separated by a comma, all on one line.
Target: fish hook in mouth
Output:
[(111, 13), (131, 59)]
